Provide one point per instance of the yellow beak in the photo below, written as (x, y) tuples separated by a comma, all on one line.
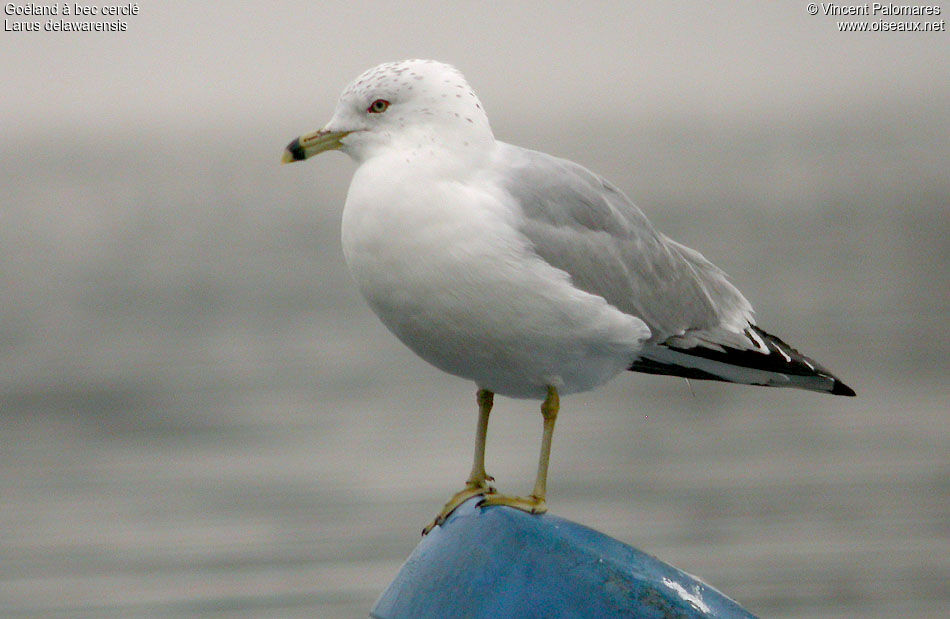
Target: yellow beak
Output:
[(311, 144)]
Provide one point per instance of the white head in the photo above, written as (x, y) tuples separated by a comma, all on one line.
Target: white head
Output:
[(412, 104)]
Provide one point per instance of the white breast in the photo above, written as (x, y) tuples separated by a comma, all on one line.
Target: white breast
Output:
[(444, 268)]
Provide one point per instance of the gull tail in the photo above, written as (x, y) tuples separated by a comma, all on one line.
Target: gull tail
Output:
[(767, 361)]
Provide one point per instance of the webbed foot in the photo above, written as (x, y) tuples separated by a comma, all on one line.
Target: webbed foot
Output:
[(530, 504), (471, 489)]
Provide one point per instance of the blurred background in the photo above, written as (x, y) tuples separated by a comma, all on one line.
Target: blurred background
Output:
[(200, 416)]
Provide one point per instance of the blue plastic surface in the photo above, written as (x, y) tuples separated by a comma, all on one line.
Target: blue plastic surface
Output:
[(501, 562)]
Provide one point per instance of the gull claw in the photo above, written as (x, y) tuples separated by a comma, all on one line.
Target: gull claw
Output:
[(472, 489)]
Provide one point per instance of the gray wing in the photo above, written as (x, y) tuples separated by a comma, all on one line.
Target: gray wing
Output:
[(701, 325), (583, 225)]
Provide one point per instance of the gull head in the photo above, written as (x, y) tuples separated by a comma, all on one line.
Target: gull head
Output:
[(407, 106)]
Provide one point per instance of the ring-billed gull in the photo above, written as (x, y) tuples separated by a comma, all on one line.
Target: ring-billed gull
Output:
[(523, 272)]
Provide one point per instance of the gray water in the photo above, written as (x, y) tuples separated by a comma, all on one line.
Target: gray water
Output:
[(199, 416)]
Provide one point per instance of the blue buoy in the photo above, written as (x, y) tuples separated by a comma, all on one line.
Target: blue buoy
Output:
[(501, 562)]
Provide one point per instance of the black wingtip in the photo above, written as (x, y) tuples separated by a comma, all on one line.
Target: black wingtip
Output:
[(840, 388)]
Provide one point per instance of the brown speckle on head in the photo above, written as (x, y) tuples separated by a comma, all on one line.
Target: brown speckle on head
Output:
[(420, 107)]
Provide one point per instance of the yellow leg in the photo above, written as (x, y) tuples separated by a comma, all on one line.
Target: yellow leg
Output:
[(478, 476), (535, 504), (478, 479)]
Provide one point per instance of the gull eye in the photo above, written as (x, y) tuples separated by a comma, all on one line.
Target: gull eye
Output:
[(378, 106)]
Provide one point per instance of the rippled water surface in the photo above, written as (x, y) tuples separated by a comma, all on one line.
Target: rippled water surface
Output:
[(198, 415)]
